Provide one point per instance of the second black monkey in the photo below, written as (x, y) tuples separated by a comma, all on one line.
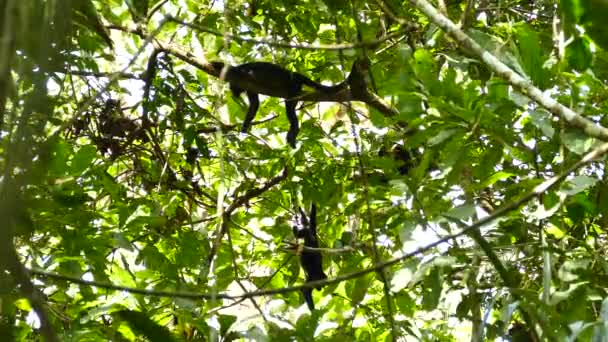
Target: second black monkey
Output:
[(273, 80), (311, 261)]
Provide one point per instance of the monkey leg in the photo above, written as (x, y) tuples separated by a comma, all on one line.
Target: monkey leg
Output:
[(294, 126), (254, 104)]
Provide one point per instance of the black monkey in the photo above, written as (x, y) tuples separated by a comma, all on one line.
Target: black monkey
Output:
[(272, 80), (311, 261), (404, 158)]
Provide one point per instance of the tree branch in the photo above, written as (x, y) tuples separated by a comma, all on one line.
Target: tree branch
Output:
[(332, 47), (239, 201), (525, 86)]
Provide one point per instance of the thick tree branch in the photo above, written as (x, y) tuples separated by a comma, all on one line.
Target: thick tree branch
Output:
[(525, 86), (333, 47)]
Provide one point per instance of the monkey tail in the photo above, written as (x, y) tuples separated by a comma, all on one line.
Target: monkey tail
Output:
[(316, 85), (308, 297)]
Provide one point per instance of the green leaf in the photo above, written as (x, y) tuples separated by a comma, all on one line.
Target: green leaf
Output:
[(498, 176), (401, 279), (140, 323), (542, 120), (23, 304), (559, 296), (568, 271), (83, 158), (532, 55), (86, 14), (601, 332), (432, 290), (360, 287), (594, 21), (226, 321), (462, 212), (60, 154), (577, 184), (578, 54), (443, 136), (577, 142)]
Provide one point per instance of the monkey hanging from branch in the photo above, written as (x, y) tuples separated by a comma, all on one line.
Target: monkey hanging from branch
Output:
[(311, 261)]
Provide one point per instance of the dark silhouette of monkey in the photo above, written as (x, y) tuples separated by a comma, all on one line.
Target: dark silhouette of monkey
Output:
[(404, 158), (311, 261), (273, 80)]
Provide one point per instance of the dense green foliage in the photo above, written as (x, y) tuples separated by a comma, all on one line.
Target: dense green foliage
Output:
[(136, 209)]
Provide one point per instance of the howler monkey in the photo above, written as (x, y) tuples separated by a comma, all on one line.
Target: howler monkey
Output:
[(397, 160), (404, 158), (273, 80), (311, 261)]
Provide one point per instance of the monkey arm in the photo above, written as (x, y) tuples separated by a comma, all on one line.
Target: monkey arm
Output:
[(294, 124), (303, 220), (313, 221), (254, 104)]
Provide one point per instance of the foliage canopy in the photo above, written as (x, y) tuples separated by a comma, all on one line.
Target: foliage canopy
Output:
[(133, 209)]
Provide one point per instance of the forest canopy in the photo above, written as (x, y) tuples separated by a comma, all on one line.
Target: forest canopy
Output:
[(284, 170)]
